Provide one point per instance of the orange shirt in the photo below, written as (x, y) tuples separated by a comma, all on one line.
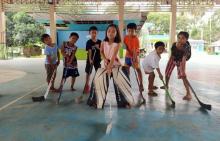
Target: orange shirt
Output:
[(132, 45)]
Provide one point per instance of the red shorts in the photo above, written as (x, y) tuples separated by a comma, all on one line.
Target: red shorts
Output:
[(181, 66)]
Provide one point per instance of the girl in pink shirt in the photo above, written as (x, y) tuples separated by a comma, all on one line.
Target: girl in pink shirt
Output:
[(110, 47), (111, 67)]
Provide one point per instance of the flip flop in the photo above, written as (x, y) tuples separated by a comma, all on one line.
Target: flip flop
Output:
[(152, 94)]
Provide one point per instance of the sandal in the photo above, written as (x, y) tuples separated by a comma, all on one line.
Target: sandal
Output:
[(163, 87), (152, 94)]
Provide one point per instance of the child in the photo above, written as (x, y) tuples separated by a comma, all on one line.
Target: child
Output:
[(110, 48), (68, 51), (93, 55), (180, 53), (151, 62), (111, 66), (132, 51), (52, 59)]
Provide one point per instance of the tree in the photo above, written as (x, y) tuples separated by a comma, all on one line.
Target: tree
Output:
[(9, 29), (158, 23), (209, 30), (22, 29), (183, 23)]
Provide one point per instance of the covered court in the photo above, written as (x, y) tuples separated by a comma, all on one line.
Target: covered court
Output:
[(22, 78)]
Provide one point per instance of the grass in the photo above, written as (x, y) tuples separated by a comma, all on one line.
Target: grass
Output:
[(81, 54), (3, 51)]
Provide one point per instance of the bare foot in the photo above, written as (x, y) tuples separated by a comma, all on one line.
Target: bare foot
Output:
[(128, 106), (54, 90), (72, 89), (187, 97)]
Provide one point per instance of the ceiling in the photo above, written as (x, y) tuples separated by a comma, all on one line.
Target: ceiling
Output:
[(78, 7)]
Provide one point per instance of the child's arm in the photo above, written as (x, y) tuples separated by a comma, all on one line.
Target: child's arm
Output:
[(90, 56), (155, 64), (136, 51), (159, 73), (109, 66), (102, 53), (126, 47), (58, 57), (63, 51), (89, 49)]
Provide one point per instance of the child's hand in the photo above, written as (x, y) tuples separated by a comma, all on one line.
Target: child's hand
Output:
[(58, 62), (91, 62), (53, 66), (97, 46), (109, 69), (106, 62), (135, 60)]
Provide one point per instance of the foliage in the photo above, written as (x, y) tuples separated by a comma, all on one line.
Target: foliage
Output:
[(158, 23), (22, 29)]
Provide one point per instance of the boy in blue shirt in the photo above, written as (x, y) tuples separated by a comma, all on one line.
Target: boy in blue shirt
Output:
[(52, 59)]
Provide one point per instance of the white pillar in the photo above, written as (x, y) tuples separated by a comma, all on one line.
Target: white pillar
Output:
[(173, 23), (2, 32), (53, 30), (121, 17), (2, 23)]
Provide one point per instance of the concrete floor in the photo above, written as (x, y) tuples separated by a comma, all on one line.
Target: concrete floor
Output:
[(23, 120)]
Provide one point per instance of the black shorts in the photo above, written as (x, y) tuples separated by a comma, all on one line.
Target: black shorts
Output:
[(89, 67), (73, 72)]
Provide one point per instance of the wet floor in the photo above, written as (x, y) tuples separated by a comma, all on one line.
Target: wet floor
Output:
[(24, 120)]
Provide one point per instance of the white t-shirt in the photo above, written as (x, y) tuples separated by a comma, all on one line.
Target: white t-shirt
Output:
[(151, 62)]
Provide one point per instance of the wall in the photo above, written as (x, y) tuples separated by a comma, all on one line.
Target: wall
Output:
[(83, 37)]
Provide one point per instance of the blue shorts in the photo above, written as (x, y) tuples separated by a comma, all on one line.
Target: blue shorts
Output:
[(128, 61)]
